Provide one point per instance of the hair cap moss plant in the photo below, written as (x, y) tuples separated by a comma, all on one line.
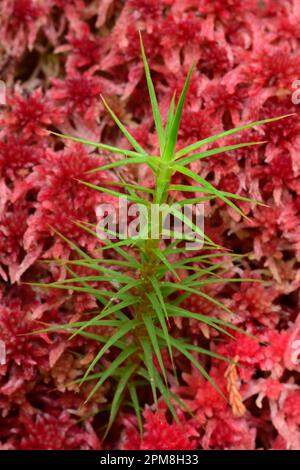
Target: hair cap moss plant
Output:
[(147, 290)]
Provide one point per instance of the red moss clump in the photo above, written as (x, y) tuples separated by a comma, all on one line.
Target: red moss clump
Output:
[(56, 58)]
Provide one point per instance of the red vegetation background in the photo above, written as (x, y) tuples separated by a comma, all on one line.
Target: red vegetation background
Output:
[(56, 57)]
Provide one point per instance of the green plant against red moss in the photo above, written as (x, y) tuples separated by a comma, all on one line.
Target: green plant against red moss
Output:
[(147, 291)]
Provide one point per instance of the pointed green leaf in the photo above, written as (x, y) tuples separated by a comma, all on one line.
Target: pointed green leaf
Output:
[(152, 335), (192, 189), (170, 115), (216, 151), (111, 245), (166, 395), (194, 291), (149, 160), (109, 148), (201, 369), (136, 406), (185, 171), (160, 310), (135, 187), (174, 310), (116, 403), (123, 129), (148, 360), (129, 325), (107, 311), (125, 354), (153, 99), (117, 194), (173, 134), (166, 262)]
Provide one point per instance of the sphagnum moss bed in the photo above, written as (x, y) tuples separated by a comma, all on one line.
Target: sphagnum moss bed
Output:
[(210, 359)]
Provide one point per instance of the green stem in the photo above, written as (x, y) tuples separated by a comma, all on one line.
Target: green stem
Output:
[(163, 179), (151, 261)]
